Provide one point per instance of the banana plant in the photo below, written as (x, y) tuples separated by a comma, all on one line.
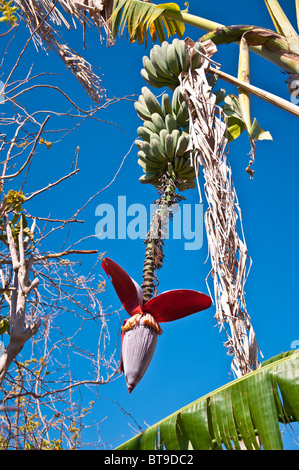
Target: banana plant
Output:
[(243, 414)]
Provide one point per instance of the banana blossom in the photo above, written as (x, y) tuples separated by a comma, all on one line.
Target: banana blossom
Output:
[(139, 332)]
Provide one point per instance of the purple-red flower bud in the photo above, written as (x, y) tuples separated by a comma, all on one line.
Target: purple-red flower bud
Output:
[(139, 333)]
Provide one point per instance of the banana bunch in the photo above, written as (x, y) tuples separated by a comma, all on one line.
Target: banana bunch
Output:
[(167, 61), (164, 148)]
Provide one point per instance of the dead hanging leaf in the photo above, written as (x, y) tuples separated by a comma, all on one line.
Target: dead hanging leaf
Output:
[(236, 123), (257, 132)]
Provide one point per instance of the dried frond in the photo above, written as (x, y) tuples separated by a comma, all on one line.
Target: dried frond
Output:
[(42, 18), (83, 72), (228, 250)]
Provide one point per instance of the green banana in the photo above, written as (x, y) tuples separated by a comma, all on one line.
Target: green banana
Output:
[(190, 174), (159, 60), (172, 60), (182, 115), (197, 57), (144, 146), (170, 123), (147, 167), (151, 178), (175, 136), (151, 70), (158, 122), (182, 52), (151, 101), (163, 134), (150, 158), (182, 145), (177, 100), (166, 104), (157, 150), (150, 167), (152, 81), (141, 111), (151, 126), (144, 133), (169, 147), (178, 163), (186, 167)]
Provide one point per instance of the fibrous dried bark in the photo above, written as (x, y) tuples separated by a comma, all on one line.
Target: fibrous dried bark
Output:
[(227, 245)]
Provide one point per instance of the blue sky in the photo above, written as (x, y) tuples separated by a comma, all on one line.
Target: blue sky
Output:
[(190, 359)]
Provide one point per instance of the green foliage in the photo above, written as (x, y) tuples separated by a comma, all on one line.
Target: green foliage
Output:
[(248, 409), (4, 323), (12, 203), (140, 17), (236, 122), (8, 12), (14, 199)]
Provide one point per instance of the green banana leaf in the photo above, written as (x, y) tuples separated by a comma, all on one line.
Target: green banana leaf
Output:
[(243, 413), (140, 17)]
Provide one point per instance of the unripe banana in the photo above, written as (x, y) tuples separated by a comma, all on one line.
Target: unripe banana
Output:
[(160, 61), (170, 123), (166, 104), (175, 136), (158, 122), (141, 111), (169, 147), (151, 101), (182, 145), (153, 82), (144, 133), (163, 134), (143, 154), (182, 115), (151, 70), (182, 52), (157, 150), (188, 174), (149, 167), (186, 168), (149, 178), (151, 126), (139, 144), (197, 56), (178, 163), (172, 61), (177, 100)]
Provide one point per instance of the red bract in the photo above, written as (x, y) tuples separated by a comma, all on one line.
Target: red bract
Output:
[(139, 333)]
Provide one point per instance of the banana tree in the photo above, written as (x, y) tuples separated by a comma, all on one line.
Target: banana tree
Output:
[(209, 128)]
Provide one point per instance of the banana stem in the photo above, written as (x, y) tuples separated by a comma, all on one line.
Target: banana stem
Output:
[(259, 92), (154, 241), (193, 20), (278, 53)]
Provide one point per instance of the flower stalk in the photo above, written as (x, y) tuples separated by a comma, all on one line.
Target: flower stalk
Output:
[(154, 255)]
